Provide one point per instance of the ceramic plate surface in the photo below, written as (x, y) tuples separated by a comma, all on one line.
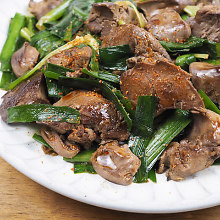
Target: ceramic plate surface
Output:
[(18, 148)]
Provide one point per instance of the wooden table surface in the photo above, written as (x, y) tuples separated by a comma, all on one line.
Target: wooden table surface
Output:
[(21, 198)]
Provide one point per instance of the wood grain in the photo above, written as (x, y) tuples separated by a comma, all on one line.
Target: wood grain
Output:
[(21, 198)]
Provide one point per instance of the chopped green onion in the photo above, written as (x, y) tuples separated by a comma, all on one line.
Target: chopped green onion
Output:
[(55, 90), (213, 62), (143, 126), (191, 10), (164, 135), (144, 115), (26, 34), (53, 15), (208, 102), (83, 168), (185, 60), (43, 112), (106, 76), (202, 56), (83, 156), (10, 46)]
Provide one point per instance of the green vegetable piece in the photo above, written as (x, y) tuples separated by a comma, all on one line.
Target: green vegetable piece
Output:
[(55, 90), (114, 58), (208, 102), (213, 62), (40, 139), (138, 145), (106, 76), (201, 55), (26, 34), (164, 135), (45, 42), (218, 49), (7, 79), (42, 112), (191, 10), (186, 46), (57, 69), (185, 60), (184, 16), (83, 156), (126, 102), (10, 46), (143, 129), (154, 147), (83, 168), (152, 176), (31, 23), (53, 15), (94, 64), (144, 116)]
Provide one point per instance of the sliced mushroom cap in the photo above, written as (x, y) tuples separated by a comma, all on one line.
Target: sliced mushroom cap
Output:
[(106, 15), (167, 25), (41, 8), (165, 80), (206, 76), (31, 91), (24, 59), (98, 113), (115, 163), (62, 148), (140, 41), (195, 153)]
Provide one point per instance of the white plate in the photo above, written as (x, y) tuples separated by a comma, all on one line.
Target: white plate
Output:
[(18, 149)]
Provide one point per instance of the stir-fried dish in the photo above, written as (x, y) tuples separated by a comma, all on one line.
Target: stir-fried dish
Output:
[(119, 88)]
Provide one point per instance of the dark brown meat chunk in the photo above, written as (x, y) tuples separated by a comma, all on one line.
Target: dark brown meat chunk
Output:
[(82, 135), (104, 16), (206, 76), (186, 158), (62, 148), (151, 7), (75, 59), (41, 8), (24, 59), (207, 23), (98, 113), (167, 25), (208, 2), (195, 153), (31, 91), (165, 80), (115, 163), (59, 127), (141, 42)]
